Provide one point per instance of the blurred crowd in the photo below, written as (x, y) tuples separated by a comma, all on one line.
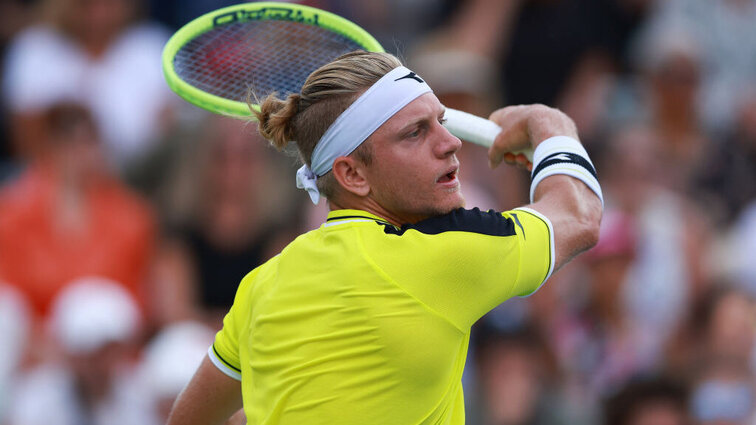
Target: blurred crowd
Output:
[(128, 217)]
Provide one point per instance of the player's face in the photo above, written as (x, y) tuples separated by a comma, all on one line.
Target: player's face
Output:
[(414, 172)]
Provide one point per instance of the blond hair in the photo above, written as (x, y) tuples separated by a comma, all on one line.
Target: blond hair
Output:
[(304, 117)]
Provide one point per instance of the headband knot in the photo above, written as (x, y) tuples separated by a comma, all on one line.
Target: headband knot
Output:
[(307, 180)]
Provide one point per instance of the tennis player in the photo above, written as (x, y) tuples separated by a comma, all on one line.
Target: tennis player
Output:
[(366, 320)]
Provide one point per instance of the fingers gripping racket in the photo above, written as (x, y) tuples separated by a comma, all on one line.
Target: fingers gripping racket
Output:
[(214, 60)]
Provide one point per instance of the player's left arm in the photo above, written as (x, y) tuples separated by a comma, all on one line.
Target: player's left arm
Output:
[(575, 213), (565, 187), (210, 398)]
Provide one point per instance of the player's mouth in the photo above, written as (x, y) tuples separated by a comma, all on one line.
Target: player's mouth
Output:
[(449, 178)]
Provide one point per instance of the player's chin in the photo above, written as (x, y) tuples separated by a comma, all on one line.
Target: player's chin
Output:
[(451, 199)]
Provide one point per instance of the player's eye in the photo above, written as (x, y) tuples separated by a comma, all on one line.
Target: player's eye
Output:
[(414, 133)]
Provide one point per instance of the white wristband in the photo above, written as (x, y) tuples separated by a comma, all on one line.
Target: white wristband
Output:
[(563, 155)]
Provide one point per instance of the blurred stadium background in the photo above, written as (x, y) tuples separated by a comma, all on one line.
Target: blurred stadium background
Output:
[(127, 216)]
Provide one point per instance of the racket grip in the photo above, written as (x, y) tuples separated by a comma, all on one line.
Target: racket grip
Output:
[(475, 129)]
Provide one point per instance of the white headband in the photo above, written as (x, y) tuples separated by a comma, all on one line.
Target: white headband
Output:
[(374, 107)]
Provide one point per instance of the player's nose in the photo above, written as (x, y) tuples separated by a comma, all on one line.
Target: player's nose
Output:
[(447, 144)]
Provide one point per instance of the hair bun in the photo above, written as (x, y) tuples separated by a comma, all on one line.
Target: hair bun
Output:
[(276, 119)]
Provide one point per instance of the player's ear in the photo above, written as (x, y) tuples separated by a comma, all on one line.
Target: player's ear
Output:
[(350, 174)]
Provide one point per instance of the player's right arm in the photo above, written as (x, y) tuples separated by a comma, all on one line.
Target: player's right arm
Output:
[(573, 208), (214, 394), (210, 398)]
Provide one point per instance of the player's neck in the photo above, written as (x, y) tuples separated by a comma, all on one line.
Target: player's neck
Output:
[(371, 206)]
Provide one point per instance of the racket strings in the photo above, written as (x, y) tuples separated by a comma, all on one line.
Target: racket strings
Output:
[(265, 56)]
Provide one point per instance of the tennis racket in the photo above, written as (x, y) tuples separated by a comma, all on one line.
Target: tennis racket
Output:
[(214, 60)]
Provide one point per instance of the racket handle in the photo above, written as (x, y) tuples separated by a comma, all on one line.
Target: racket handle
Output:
[(475, 129)]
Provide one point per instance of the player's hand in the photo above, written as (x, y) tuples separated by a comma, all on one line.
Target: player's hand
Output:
[(517, 159), (524, 127)]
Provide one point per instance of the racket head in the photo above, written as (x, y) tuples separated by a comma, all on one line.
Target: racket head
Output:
[(214, 60)]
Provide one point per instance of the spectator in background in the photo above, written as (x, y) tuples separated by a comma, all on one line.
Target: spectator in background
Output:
[(655, 401), (14, 15), (669, 90), (97, 53), (670, 270), (730, 331), (719, 349), (738, 252), (517, 379), (719, 335), (67, 217), (730, 164), (695, 92), (95, 324), (169, 361), (565, 52), (725, 35), (14, 334), (722, 399), (223, 208)]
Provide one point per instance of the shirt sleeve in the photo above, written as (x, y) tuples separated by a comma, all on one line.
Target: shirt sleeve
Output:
[(224, 353), (537, 255), (465, 263)]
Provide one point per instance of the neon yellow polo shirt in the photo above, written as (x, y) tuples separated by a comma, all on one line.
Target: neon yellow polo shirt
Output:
[(360, 322)]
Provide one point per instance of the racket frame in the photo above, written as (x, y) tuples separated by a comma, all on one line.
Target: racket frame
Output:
[(249, 12)]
